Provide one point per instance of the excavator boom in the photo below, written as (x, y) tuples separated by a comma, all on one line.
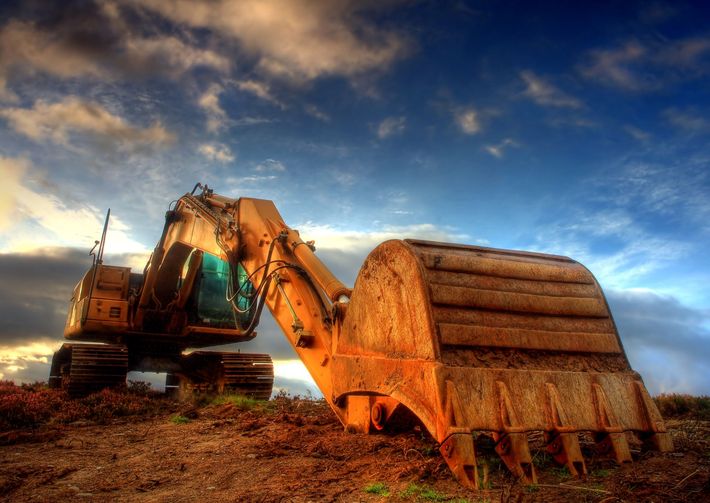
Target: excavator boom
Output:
[(464, 340)]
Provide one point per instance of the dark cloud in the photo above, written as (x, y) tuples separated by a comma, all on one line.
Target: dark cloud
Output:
[(667, 342), (96, 40), (35, 292)]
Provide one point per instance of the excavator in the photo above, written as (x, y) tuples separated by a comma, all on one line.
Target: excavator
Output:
[(465, 341)]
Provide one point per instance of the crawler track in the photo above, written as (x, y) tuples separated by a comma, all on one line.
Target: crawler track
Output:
[(248, 374), (86, 368)]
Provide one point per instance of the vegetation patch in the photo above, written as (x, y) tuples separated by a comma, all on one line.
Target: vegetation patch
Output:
[(178, 419), (34, 405), (377, 488), (423, 493), (676, 405)]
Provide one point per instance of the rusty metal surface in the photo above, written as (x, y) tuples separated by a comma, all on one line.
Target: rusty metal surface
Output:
[(478, 340)]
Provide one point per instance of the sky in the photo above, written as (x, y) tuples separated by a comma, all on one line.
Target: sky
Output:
[(567, 128)]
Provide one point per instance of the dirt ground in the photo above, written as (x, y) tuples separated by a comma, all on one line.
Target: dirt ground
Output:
[(298, 452)]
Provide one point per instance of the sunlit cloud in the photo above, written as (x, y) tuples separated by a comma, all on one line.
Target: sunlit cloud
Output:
[(209, 102), (316, 112), (391, 126), (270, 165), (59, 121), (60, 223), (468, 120), (499, 149), (332, 238), (103, 49), (543, 93), (216, 152), (644, 66), (259, 89), (314, 38)]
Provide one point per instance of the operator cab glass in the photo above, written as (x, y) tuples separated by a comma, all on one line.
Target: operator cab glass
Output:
[(213, 308)]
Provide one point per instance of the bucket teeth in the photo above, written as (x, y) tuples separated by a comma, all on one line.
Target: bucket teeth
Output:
[(564, 449), (513, 449), (460, 454), (562, 441), (613, 445), (512, 445)]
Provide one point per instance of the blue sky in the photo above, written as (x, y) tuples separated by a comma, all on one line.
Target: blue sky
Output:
[(571, 129)]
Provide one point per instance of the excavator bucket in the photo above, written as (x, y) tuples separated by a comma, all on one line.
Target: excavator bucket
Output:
[(475, 340)]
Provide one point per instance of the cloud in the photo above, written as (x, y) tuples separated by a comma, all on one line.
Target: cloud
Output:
[(636, 133), (687, 120), (499, 149), (625, 225), (666, 341), (316, 112), (58, 121), (42, 219), (545, 94), (637, 66), (13, 172), (35, 293), (34, 300), (259, 89), (467, 119), (613, 66), (209, 102), (391, 126), (271, 165), (332, 238), (216, 152), (92, 40), (294, 39)]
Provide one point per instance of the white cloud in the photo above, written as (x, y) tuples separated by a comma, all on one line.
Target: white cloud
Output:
[(58, 121), (331, 238), (467, 120), (209, 102), (13, 171), (41, 219), (270, 165), (634, 254), (545, 94), (295, 39), (391, 126), (499, 149), (216, 152)]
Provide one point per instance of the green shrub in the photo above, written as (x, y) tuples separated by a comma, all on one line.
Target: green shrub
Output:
[(378, 488)]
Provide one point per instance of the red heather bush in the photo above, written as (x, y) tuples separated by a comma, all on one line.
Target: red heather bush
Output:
[(29, 406)]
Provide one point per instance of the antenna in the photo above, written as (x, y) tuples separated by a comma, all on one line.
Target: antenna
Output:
[(98, 260), (100, 257)]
